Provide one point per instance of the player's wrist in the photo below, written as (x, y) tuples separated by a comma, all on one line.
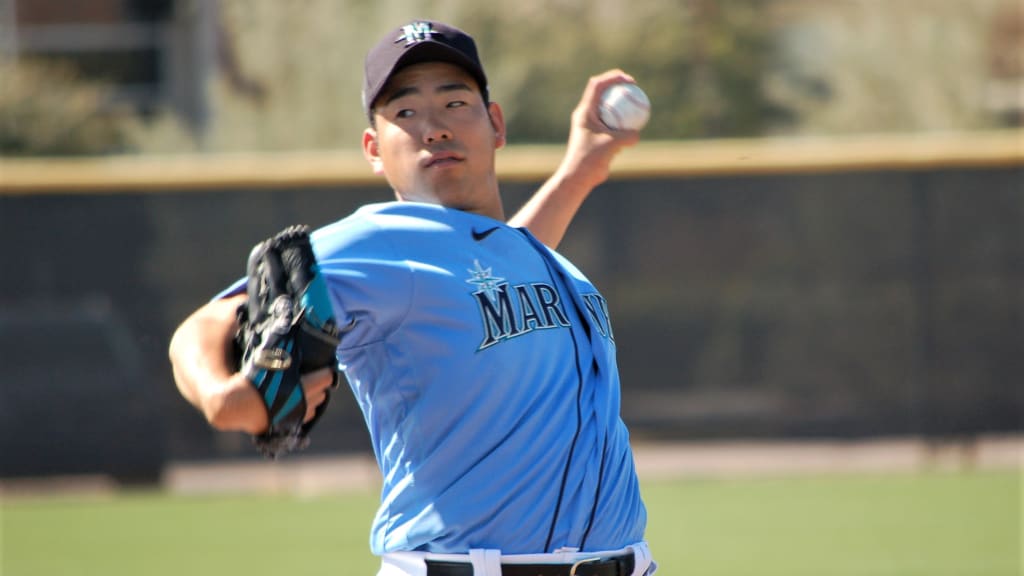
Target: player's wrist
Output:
[(578, 177), (235, 405)]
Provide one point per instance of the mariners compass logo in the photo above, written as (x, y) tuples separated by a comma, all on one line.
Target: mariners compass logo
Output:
[(416, 32), (483, 278)]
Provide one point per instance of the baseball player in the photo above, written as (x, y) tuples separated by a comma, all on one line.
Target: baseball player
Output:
[(483, 361)]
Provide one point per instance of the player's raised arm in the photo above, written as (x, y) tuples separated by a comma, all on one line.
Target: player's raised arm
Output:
[(587, 163)]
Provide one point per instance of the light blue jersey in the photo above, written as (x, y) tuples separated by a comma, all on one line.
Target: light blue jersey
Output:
[(484, 364)]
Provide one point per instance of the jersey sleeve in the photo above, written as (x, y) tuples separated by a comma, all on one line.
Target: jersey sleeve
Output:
[(369, 284), (234, 289)]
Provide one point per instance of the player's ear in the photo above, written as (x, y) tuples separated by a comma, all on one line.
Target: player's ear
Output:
[(371, 150), (498, 123)]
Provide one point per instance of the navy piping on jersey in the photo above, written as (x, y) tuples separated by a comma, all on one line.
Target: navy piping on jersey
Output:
[(579, 416), (597, 492), (579, 421)]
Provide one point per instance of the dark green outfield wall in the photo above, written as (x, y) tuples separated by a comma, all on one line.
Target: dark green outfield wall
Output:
[(842, 304)]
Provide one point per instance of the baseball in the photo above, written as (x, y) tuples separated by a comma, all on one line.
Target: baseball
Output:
[(624, 106)]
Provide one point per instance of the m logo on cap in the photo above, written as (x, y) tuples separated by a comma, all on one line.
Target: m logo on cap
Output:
[(416, 32)]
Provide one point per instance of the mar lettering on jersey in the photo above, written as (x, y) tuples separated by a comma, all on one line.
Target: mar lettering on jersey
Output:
[(508, 311)]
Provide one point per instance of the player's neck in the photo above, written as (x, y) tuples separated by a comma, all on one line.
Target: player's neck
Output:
[(493, 209), (488, 204)]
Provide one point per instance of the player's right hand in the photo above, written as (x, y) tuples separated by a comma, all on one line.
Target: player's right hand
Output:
[(592, 145)]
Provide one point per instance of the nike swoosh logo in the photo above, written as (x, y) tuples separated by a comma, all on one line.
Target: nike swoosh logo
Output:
[(478, 236)]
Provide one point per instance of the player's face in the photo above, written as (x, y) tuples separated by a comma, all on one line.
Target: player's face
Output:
[(434, 139)]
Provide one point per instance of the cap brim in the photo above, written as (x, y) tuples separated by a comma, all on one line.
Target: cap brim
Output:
[(430, 51)]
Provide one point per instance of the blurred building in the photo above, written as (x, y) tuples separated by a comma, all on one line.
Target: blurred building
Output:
[(1006, 64), (153, 54)]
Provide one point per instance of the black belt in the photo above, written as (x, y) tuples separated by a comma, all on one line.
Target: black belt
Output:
[(606, 566)]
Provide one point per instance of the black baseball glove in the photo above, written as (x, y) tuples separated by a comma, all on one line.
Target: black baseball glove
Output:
[(286, 329)]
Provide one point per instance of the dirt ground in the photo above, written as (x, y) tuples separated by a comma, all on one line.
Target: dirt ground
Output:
[(311, 475)]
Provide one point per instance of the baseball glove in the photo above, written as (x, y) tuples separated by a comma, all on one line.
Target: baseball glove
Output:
[(286, 329)]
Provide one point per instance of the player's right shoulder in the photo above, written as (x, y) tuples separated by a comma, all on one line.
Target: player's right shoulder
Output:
[(375, 228), (366, 232)]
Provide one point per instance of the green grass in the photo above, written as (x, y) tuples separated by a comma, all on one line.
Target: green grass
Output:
[(878, 525)]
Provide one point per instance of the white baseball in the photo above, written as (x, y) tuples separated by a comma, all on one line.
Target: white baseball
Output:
[(624, 106)]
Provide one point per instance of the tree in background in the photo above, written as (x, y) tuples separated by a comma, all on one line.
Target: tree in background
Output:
[(701, 62), (48, 110), (894, 66), (287, 75)]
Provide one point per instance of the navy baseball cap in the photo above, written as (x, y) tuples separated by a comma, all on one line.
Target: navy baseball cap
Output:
[(414, 43)]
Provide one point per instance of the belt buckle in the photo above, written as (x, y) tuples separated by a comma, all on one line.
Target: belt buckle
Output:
[(574, 567)]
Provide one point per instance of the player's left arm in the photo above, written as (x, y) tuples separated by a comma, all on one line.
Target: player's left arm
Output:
[(587, 163), (206, 374), (201, 358)]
